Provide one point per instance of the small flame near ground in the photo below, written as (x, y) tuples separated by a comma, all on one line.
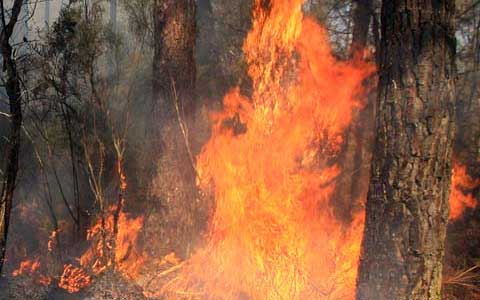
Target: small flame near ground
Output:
[(461, 193), (95, 260), (32, 268), (129, 259)]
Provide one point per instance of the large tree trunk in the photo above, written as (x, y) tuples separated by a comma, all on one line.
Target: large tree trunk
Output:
[(407, 204), (174, 61), (174, 73), (12, 88)]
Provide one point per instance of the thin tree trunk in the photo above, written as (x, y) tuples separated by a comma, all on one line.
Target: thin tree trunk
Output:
[(354, 149), (362, 15), (47, 13), (15, 101), (407, 204), (113, 14)]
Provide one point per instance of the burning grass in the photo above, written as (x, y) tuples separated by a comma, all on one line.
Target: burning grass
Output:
[(270, 164)]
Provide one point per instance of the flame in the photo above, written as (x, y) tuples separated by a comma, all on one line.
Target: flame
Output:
[(32, 269), (74, 279), (52, 241), (270, 161), (27, 266), (461, 196), (128, 258)]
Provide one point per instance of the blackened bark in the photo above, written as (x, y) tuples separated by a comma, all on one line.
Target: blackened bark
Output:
[(174, 61), (12, 88), (407, 204), (174, 78), (174, 97)]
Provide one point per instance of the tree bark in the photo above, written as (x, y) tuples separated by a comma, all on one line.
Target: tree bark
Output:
[(12, 87), (174, 74), (174, 77), (174, 61), (407, 203)]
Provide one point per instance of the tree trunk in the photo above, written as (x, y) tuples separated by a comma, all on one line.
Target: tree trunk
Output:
[(113, 15), (174, 62), (174, 74), (12, 88), (362, 15), (47, 13), (407, 204), (358, 135)]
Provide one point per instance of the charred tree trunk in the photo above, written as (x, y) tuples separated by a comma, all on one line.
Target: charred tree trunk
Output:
[(175, 72), (12, 87), (174, 107), (174, 61), (407, 204)]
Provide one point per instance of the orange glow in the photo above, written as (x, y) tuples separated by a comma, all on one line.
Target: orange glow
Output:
[(27, 266), (32, 269), (52, 241), (74, 279), (270, 164), (461, 196), (128, 259)]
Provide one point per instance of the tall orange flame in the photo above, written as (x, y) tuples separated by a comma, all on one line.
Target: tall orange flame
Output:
[(270, 161)]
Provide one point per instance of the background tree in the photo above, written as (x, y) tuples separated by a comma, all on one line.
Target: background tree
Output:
[(14, 92), (407, 204)]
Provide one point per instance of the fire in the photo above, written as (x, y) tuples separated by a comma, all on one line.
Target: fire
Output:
[(461, 195), (271, 163), (74, 279), (32, 269), (27, 266), (128, 259), (52, 241), (113, 243)]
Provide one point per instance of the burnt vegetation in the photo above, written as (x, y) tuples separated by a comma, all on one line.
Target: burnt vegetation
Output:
[(234, 150)]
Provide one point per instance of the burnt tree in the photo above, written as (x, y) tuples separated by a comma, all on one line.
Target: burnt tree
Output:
[(174, 74), (174, 61), (13, 90), (407, 203), (174, 71)]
